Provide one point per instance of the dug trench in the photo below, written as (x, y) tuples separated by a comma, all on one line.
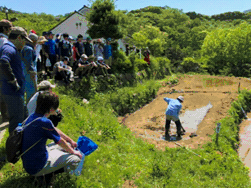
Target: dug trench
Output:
[(148, 122)]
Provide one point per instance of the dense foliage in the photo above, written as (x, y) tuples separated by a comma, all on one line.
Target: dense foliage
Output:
[(123, 157), (38, 22), (103, 20), (227, 51), (167, 32), (180, 43)]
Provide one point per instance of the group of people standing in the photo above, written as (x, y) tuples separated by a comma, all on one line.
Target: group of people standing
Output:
[(19, 54), (65, 55)]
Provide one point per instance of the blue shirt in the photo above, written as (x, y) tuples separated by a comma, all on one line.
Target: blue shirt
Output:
[(9, 53), (107, 51), (35, 159), (51, 44), (57, 41), (174, 107), (28, 58)]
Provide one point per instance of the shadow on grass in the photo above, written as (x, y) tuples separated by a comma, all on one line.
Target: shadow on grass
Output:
[(4, 127), (60, 180)]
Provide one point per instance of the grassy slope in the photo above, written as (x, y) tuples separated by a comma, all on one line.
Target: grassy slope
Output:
[(121, 156)]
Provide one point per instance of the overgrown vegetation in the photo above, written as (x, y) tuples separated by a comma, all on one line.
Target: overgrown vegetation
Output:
[(122, 157), (180, 44)]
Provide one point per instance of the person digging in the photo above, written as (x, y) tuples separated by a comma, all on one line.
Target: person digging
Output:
[(172, 113)]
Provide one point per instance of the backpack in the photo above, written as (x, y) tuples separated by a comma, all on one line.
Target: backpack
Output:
[(14, 143)]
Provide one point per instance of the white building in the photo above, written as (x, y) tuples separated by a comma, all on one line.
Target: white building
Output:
[(76, 24)]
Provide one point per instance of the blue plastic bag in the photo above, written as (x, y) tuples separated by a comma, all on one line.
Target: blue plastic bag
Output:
[(86, 145)]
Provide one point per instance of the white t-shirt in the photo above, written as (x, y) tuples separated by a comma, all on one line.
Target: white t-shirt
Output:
[(38, 49), (32, 104)]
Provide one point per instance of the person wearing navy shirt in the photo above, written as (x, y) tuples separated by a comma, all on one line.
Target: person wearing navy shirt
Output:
[(12, 76), (52, 49), (42, 159), (5, 28), (88, 47), (65, 47), (172, 113), (79, 47)]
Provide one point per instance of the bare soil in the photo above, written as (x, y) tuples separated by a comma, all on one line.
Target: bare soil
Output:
[(197, 90)]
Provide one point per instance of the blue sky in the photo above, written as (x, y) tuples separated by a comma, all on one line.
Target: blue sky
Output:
[(56, 7)]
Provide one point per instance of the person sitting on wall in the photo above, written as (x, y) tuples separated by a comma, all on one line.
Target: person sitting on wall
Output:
[(63, 71)]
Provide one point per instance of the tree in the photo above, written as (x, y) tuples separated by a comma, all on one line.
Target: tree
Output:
[(228, 51), (152, 37), (104, 22)]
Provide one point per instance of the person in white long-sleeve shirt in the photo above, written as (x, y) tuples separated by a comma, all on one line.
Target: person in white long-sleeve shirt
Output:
[(172, 113)]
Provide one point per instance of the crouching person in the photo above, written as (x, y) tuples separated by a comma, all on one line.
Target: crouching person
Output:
[(62, 70), (102, 67), (172, 114), (85, 67), (41, 160)]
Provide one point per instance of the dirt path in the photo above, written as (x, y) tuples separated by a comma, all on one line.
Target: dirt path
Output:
[(197, 90), (245, 142)]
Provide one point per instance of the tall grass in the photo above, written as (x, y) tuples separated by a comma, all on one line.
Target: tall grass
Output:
[(121, 156)]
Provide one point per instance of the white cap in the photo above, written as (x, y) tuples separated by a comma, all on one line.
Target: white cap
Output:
[(181, 98), (84, 56), (100, 58), (46, 83)]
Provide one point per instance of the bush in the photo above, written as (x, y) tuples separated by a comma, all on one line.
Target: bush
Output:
[(164, 67), (189, 64), (122, 63), (140, 65), (129, 99)]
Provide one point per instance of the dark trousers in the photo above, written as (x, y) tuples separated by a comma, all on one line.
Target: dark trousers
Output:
[(62, 76), (3, 107), (16, 110), (39, 65), (178, 127), (53, 59)]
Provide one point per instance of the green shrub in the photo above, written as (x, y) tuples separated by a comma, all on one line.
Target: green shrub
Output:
[(164, 67), (189, 64), (140, 65), (129, 99), (122, 63)]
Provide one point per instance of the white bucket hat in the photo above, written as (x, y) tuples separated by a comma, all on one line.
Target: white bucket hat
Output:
[(181, 98)]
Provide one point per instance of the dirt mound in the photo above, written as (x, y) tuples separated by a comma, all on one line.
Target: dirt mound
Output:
[(148, 122)]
